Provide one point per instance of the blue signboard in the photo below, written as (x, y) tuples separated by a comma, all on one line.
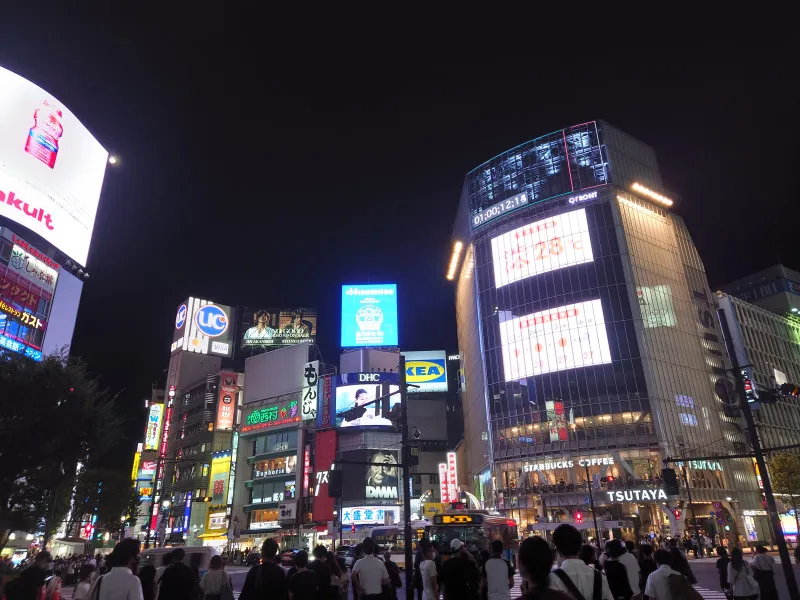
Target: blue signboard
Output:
[(369, 315)]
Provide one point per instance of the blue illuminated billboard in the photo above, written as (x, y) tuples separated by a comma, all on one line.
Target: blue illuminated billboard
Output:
[(369, 315)]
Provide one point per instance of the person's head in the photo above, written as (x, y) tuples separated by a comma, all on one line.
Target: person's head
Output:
[(761, 549), (722, 551), (126, 554), (673, 543), (269, 549), (333, 564), (320, 552), (167, 559), (435, 545), (359, 550), (195, 559), (85, 572), (147, 575), (456, 544), (736, 559), (43, 559), (387, 556), (497, 547), (645, 551), (297, 319), (614, 548), (215, 562), (536, 561), (368, 546), (379, 473), (262, 319), (362, 397), (586, 554), (301, 559), (567, 540), (630, 546), (178, 555), (663, 557)]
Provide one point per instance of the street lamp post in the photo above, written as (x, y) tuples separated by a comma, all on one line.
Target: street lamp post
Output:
[(406, 477), (591, 504)]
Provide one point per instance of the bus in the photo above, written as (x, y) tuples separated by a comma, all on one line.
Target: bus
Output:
[(392, 538), (477, 529)]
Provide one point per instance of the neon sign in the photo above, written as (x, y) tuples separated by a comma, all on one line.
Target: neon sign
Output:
[(272, 416)]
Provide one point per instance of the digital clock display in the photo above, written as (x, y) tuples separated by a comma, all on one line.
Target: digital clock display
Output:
[(499, 209)]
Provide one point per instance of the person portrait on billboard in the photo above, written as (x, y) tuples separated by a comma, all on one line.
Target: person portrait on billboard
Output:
[(262, 327), (383, 474), (369, 418), (300, 327)]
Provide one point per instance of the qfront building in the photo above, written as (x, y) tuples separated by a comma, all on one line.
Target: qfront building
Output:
[(590, 347)]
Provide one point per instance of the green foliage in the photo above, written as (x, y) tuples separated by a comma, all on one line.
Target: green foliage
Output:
[(784, 470), (106, 493), (52, 416)]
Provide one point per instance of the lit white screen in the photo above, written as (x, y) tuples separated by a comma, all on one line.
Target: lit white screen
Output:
[(561, 338), (541, 246)]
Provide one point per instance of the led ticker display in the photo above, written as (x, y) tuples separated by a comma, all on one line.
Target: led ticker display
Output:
[(457, 519), (567, 337), (369, 315), (542, 246), (499, 209), (272, 416)]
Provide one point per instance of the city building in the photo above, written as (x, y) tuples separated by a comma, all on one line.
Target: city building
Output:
[(767, 345), (143, 473), (588, 345), (48, 201), (776, 289)]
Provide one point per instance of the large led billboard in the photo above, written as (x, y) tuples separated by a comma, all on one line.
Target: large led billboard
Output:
[(51, 167), (264, 328), (204, 327), (557, 339), (427, 371), (546, 245), (379, 480), (227, 400), (218, 478), (356, 389), (369, 315)]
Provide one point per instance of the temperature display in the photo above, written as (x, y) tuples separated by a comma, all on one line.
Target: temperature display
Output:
[(541, 246), (495, 210)]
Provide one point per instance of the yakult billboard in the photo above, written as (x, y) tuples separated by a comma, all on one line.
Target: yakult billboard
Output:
[(51, 167)]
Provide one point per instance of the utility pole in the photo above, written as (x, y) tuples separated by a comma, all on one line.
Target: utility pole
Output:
[(594, 512), (691, 505), (406, 459)]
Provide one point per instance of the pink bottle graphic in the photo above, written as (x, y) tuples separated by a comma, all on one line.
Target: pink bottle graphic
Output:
[(44, 135)]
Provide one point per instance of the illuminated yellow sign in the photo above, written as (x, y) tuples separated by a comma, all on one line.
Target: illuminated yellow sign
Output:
[(456, 519), (220, 472), (136, 457)]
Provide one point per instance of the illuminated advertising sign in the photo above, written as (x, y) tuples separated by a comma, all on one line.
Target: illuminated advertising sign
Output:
[(355, 389), (567, 337), (656, 306), (452, 477), (153, 430), (428, 370), (274, 328), (369, 515), (309, 383), (653, 495), (272, 416), (444, 487), (324, 455), (542, 246), (566, 463), (6, 343), (326, 403), (32, 269), (204, 327), (51, 167), (557, 419), (376, 481), (24, 318), (227, 400), (148, 469), (369, 315), (135, 471), (18, 291), (218, 479), (499, 209)]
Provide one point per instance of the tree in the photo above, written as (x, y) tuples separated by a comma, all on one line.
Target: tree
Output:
[(784, 469), (52, 417), (106, 493)]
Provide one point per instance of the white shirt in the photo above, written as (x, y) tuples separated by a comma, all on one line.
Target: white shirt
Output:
[(81, 591), (632, 568), (740, 584), (657, 587), (371, 573), (497, 572), (427, 570), (582, 576), (119, 584)]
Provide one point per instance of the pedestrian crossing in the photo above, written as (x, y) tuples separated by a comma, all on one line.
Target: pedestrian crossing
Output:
[(710, 594)]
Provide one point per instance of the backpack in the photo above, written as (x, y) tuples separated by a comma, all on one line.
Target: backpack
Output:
[(680, 588), (597, 590), (617, 576)]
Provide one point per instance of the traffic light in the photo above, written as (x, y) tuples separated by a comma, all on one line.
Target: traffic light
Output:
[(790, 389), (334, 483), (579, 518), (749, 390), (385, 410), (670, 479)]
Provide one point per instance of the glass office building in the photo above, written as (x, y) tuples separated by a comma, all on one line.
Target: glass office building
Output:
[(589, 342)]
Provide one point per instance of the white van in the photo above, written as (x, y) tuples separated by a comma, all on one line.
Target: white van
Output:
[(199, 555)]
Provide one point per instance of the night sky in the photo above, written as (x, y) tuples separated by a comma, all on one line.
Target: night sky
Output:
[(271, 173)]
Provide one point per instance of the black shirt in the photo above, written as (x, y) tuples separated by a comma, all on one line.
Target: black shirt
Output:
[(304, 585), (27, 585), (323, 573), (722, 567), (265, 581), (178, 582), (460, 578)]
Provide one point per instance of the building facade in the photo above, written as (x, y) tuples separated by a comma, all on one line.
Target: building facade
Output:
[(589, 348), (776, 289)]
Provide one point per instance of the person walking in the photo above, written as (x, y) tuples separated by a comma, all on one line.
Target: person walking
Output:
[(680, 563), (317, 564), (616, 571), (764, 568), (30, 584), (646, 564), (305, 583), (429, 578), (178, 581), (573, 576), (266, 581), (147, 577), (740, 576), (216, 583), (419, 557), (535, 562), (120, 581), (722, 568), (166, 561), (665, 583), (459, 575), (369, 573), (497, 575), (394, 575), (628, 558), (81, 591)]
